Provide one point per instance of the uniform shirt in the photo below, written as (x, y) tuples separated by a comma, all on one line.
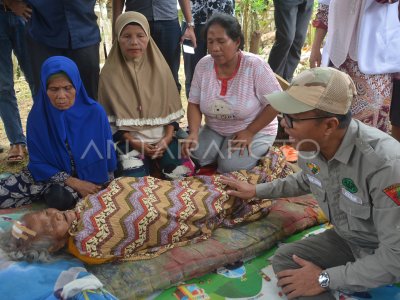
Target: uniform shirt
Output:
[(359, 191), (230, 105), (154, 10), (204, 9), (64, 24)]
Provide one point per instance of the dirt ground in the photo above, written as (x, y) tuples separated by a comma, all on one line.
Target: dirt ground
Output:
[(25, 103)]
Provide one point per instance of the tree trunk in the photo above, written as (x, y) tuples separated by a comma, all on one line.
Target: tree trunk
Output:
[(255, 41)]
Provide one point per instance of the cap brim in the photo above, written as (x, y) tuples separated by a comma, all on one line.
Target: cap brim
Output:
[(284, 103)]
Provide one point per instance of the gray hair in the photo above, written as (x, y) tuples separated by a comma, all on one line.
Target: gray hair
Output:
[(34, 251)]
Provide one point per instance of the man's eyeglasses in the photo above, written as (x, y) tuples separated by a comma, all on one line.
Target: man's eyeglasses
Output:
[(289, 120)]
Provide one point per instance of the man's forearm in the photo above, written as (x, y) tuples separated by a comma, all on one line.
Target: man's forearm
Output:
[(186, 11), (291, 186)]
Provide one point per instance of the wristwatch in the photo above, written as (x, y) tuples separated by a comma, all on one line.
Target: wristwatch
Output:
[(190, 24), (323, 280)]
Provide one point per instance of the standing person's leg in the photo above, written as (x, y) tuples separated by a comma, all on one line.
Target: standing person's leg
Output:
[(191, 60), (38, 54), (371, 105), (303, 19), (395, 109), (285, 22), (230, 159), (21, 52), (167, 35), (88, 61), (9, 112), (325, 250)]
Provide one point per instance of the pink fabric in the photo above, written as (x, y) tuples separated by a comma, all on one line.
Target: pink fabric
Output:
[(244, 98)]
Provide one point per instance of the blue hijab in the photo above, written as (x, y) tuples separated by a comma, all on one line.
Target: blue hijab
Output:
[(84, 126)]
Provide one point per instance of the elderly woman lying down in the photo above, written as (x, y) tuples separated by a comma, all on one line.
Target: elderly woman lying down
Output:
[(139, 218)]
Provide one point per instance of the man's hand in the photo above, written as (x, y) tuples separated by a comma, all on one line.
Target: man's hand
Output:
[(20, 8), (240, 189), (83, 187), (300, 282), (190, 35)]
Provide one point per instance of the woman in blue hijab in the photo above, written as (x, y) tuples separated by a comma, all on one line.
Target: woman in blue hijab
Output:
[(71, 153)]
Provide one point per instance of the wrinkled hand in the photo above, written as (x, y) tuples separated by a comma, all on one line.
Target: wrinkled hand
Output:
[(20, 8), (302, 281), (83, 187), (150, 150), (189, 143), (190, 35), (241, 141), (240, 189), (315, 58), (161, 147)]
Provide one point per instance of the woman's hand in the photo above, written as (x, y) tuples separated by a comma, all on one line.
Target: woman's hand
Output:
[(241, 141), (83, 187), (190, 143), (315, 58), (162, 146), (20, 8)]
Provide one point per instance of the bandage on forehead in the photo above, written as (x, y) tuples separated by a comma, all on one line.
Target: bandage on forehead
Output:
[(18, 230)]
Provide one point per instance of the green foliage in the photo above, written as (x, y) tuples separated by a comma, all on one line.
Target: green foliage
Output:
[(253, 15)]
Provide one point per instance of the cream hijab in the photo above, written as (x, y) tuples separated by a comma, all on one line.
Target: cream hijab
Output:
[(138, 94)]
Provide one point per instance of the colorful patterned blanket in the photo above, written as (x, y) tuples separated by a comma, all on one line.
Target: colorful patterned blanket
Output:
[(139, 218), (136, 279)]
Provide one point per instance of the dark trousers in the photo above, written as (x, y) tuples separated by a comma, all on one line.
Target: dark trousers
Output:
[(291, 20), (191, 60), (12, 39), (325, 250), (395, 105), (167, 35), (87, 59)]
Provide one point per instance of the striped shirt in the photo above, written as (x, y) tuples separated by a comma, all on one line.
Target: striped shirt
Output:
[(231, 105)]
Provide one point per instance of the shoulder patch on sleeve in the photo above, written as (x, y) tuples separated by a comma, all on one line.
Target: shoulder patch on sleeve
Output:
[(393, 192)]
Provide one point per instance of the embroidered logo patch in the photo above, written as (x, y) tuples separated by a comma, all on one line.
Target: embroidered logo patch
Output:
[(313, 167), (349, 185), (393, 192)]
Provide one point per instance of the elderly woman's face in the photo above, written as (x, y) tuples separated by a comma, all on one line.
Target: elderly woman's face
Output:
[(61, 92), (221, 47), (51, 223), (133, 41)]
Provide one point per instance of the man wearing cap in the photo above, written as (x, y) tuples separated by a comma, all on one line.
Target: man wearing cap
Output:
[(353, 170)]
